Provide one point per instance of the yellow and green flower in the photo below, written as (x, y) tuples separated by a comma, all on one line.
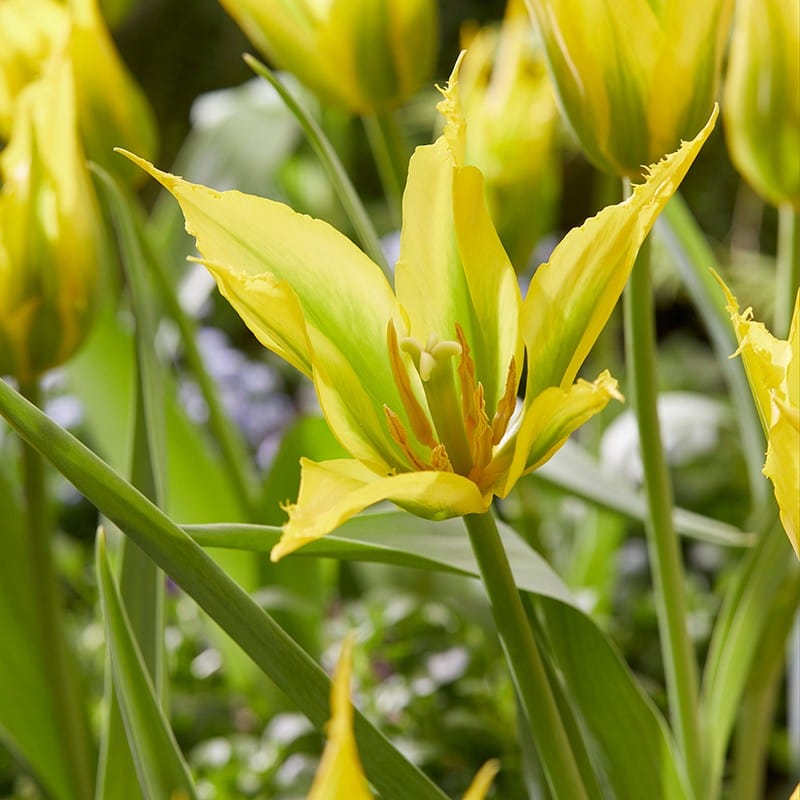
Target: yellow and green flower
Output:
[(49, 231), (420, 383), (773, 371), (513, 122), (362, 55), (634, 77), (761, 107), (111, 109)]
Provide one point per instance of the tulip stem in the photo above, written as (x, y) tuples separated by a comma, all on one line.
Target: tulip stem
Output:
[(50, 631), (787, 279), (389, 152), (524, 660), (666, 563)]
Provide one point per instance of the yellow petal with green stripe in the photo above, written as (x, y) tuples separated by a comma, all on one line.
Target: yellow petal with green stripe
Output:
[(333, 491), (572, 296)]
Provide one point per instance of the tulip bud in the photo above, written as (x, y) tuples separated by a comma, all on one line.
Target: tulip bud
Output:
[(761, 106), (634, 77), (112, 111), (512, 119), (364, 55), (49, 248)]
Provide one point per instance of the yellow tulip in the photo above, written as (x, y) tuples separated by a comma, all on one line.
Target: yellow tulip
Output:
[(511, 108), (761, 106), (340, 774), (49, 248), (634, 77), (111, 109), (773, 371), (364, 55), (420, 384)]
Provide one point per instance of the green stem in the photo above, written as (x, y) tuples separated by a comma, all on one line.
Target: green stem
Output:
[(389, 152), (694, 260), (522, 654), (665, 557), (342, 185), (69, 718), (787, 279)]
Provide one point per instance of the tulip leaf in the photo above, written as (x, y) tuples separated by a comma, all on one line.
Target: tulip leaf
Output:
[(141, 581), (615, 715), (574, 469), (160, 766), (749, 604), (27, 705), (287, 664)]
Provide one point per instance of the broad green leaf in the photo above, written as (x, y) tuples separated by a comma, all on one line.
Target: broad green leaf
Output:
[(613, 712), (26, 702), (159, 763), (290, 667), (627, 737)]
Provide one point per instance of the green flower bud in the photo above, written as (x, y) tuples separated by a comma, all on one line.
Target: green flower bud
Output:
[(363, 55), (634, 77), (761, 107), (49, 246)]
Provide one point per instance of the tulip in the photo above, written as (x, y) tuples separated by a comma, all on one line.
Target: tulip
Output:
[(773, 372), (420, 384), (364, 55), (761, 106), (110, 107), (49, 248), (511, 108), (340, 774), (634, 77)]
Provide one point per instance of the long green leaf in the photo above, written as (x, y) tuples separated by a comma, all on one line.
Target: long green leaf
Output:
[(694, 259), (290, 667), (735, 641), (160, 766), (141, 581), (576, 471)]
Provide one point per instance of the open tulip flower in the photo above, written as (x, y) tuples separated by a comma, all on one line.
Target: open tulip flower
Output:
[(634, 77), (340, 773), (420, 384), (773, 371)]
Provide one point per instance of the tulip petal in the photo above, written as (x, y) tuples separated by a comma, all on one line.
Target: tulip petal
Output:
[(259, 250), (333, 491), (782, 467), (482, 781), (766, 359), (551, 418), (572, 296), (340, 773), (450, 250)]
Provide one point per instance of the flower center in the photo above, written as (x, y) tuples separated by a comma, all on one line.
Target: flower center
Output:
[(434, 363)]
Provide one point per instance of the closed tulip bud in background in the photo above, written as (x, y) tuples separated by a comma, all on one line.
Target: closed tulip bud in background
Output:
[(761, 108), (49, 247), (364, 55), (633, 77), (111, 109), (509, 102)]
